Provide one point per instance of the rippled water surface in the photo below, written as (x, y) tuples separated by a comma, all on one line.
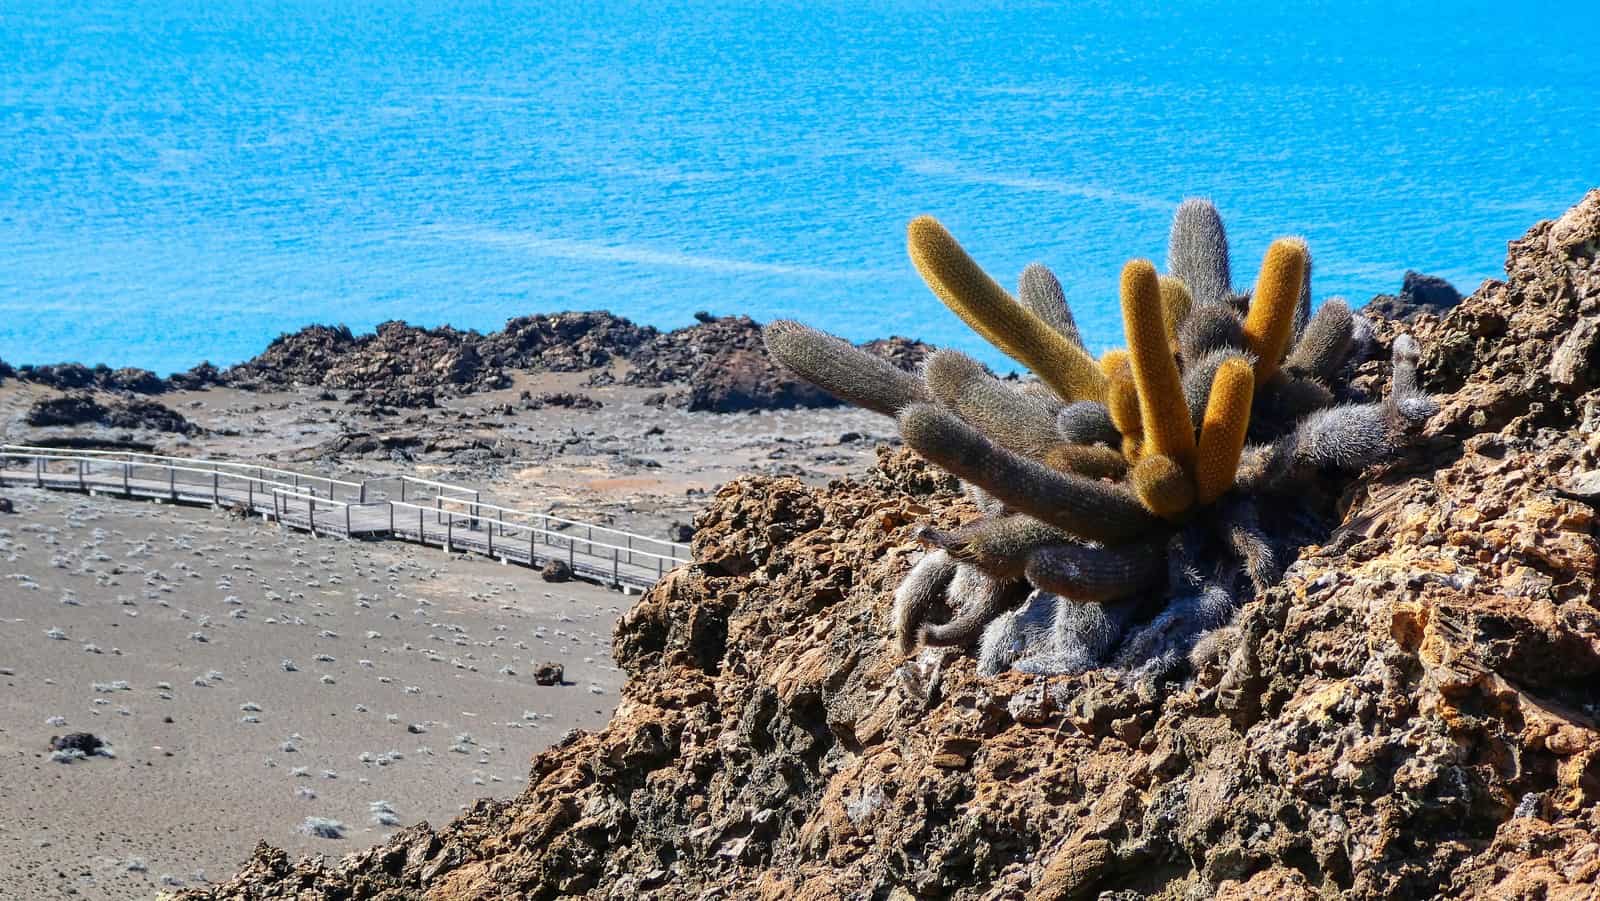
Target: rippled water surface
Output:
[(183, 181)]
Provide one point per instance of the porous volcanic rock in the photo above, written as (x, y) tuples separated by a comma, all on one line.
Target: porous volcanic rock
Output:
[(1411, 713)]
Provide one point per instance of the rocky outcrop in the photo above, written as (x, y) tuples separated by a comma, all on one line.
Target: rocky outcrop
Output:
[(724, 363), (564, 342), (76, 376), (1410, 713), (85, 409), (1419, 293), (404, 364)]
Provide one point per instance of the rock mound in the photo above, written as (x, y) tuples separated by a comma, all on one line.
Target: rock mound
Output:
[(1419, 293), (1410, 713), (405, 363), (724, 362), (76, 376), (85, 409)]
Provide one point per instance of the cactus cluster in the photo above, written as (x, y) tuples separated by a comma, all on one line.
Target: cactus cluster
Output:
[(1123, 498)]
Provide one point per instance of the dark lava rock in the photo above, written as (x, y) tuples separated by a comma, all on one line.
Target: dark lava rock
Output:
[(86, 742), (725, 363), (1419, 293), (556, 571), (203, 376), (565, 399), (549, 674), (73, 376), (6, 505), (680, 533), (82, 409), (6, 371), (301, 358), (564, 342)]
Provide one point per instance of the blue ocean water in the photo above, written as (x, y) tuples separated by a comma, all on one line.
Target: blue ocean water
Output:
[(185, 180)]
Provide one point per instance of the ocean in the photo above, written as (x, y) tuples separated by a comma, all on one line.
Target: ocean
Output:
[(184, 181)]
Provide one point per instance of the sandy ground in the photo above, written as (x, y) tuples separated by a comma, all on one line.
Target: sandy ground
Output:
[(166, 630)]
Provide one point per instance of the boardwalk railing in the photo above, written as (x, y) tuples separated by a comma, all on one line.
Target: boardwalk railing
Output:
[(454, 517)]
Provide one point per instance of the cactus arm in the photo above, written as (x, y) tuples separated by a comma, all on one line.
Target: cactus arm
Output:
[(999, 545), (1122, 401), (1086, 422), (1094, 574), (1272, 305), (1162, 486), (1222, 435), (1197, 251), (1302, 308), (1324, 343), (1168, 430), (1008, 417), (1091, 460), (970, 293), (1176, 302), (982, 598), (1087, 508), (841, 369), (918, 592), (1040, 291), (1209, 329)]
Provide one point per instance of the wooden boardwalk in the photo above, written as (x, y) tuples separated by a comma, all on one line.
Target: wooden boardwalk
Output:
[(404, 508)]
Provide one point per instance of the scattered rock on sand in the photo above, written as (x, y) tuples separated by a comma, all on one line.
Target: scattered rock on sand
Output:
[(556, 571), (549, 674), (6, 506), (85, 743)]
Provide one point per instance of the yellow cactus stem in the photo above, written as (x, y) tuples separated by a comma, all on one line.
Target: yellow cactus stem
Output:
[(1162, 486), (1222, 433), (1122, 398), (1090, 460), (962, 285), (1271, 319), (1175, 304), (1168, 431)]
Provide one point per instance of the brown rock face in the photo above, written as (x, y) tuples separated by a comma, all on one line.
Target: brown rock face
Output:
[(1411, 713)]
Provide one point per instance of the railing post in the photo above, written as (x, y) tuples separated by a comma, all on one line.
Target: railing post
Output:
[(590, 539), (658, 568), (38, 470), (438, 505), (250, 494), (127, 488), (216, 488), (347, 520), (532, 538), (363, 491), (391, 519), (402, 489), (449, 532), (630, 550), (311, 514), (615, 579), (572, 550), (491, 539), (172, 483), (422, 537), (81, 486)]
